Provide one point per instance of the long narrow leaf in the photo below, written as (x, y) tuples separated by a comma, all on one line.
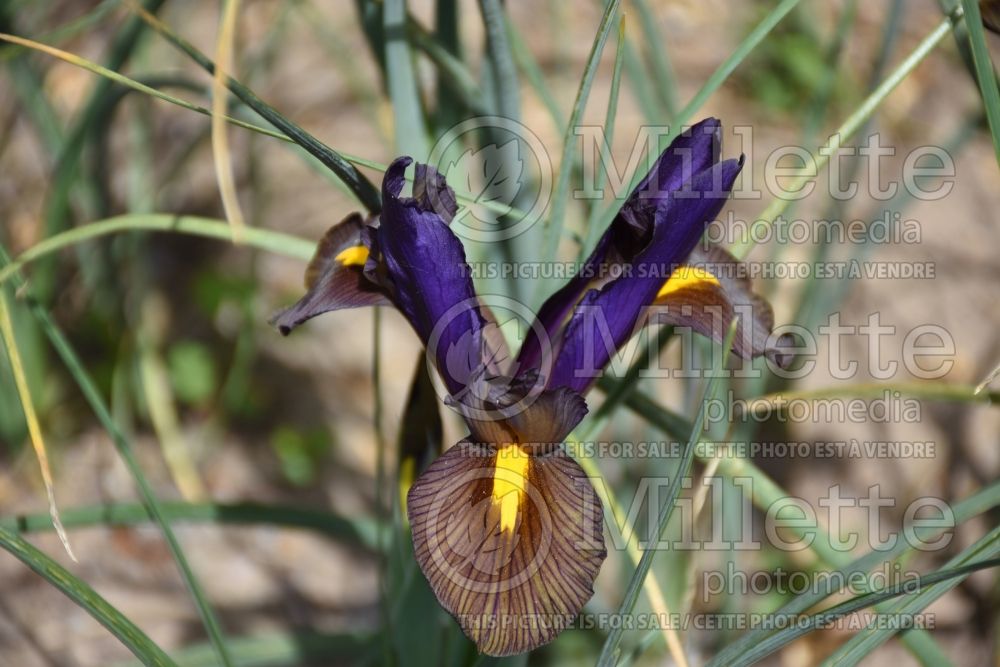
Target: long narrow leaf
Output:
[(867, 640), (553, 229), (593, 226), (975, 505), (354, 531), (610, 651), (362, 188), (799, 627), (98, 405), (83, 595), (985, 74), (409, 129)]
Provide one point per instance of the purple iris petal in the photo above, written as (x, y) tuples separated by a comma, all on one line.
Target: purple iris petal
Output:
[(693, 151), (431, 281), (607, 318)]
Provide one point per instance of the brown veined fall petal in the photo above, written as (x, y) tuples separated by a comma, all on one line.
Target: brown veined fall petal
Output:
[(335, 277), (707, 292), (510, 542)]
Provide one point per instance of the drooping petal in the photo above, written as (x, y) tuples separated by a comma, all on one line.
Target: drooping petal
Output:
[(431, 284), (510, 543), (335, 278), (693, 151), (345, 271), (606, 318), (707, 292)]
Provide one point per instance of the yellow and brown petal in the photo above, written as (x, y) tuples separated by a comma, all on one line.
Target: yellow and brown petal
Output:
[(335, 277), (510, 542), (707, 293)]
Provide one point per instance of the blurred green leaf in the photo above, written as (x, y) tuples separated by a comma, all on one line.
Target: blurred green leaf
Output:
[(192, 371), (985, 73), (300, 453)]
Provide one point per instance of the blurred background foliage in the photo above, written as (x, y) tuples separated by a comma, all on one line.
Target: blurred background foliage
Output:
[(233, 425)]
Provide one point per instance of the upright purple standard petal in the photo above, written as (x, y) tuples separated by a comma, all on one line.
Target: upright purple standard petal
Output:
[(607, 318), (693, 151), (430, 280)]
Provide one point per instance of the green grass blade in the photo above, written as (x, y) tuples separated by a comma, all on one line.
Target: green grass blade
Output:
[(659, 58), (610, 651), (353, 531), (83, 595), (593, 227), (452, 72), (980, 502), (863, 643), (554, 225), (359, 185), (985, 74), (98, 405), (507, 92), (852, 124), (409, 129), (946, 577), (713, 83), (448, 39)]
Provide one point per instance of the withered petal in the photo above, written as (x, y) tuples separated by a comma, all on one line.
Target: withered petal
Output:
[(331, 282), (433, 192), (708, 306), (512, 585)]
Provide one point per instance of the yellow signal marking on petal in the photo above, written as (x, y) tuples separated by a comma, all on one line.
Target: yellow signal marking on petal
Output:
[(407, 467), (356, 255), (685, 276), (510, 478)]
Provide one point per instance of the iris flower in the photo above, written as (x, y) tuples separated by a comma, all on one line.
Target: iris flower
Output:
[(506, 526)]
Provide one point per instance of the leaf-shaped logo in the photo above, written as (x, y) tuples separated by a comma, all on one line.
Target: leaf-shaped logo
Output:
[(492, 174)]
